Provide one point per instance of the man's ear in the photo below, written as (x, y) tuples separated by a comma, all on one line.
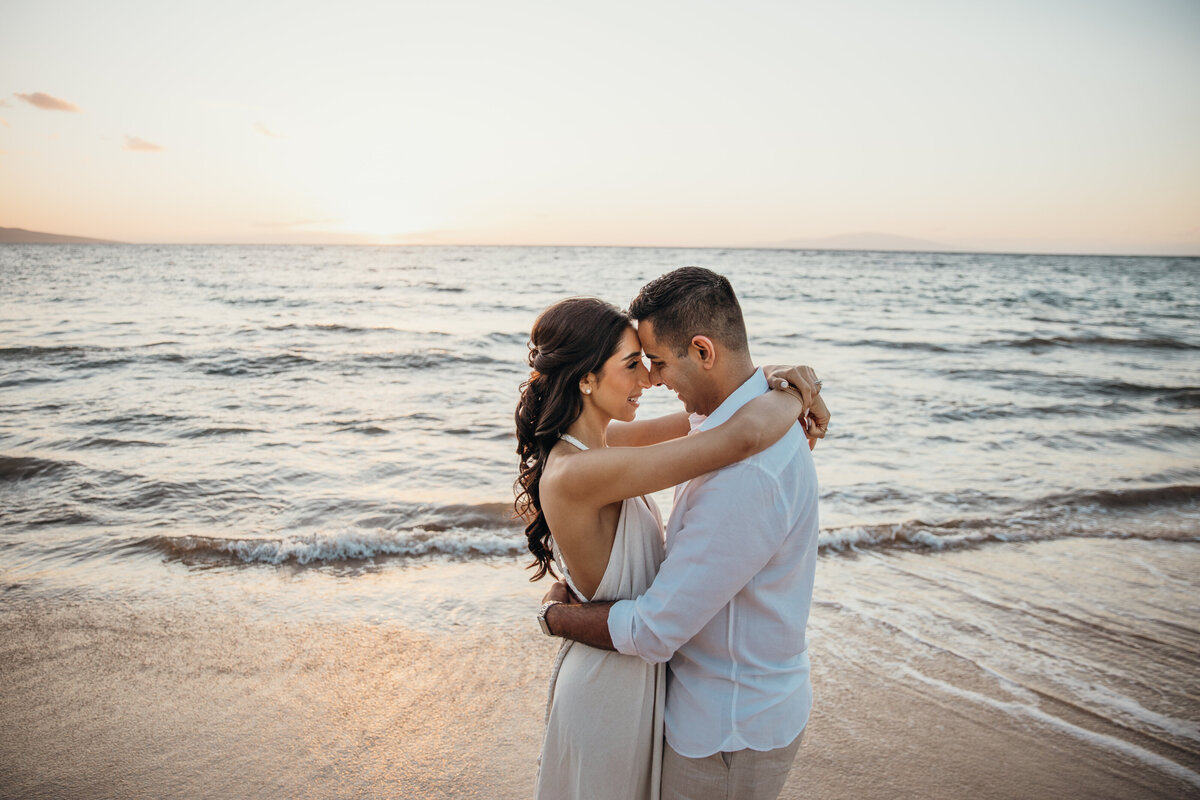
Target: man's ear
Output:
[(705, 352)]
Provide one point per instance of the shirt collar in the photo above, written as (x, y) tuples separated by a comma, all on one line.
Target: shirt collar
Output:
[(755, 385)]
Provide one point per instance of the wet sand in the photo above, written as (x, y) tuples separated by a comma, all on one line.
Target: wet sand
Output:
[(120, 697)]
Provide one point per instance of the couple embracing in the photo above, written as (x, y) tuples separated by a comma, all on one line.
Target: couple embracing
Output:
[(725, 600)]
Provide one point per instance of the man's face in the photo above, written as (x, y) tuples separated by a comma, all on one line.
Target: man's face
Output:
[(681, 374)]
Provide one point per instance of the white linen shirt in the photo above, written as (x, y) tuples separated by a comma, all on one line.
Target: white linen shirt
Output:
[(730, 603)]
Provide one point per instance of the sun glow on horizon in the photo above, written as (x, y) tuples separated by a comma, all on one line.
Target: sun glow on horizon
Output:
[(383, 222)]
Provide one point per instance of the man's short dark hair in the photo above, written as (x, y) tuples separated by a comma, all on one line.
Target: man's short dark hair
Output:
[(691, 301)]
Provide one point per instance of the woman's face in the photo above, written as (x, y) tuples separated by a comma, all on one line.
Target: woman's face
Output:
[(619, 383)]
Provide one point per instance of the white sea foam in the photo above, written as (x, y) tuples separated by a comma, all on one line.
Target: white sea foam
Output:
[(1128, 707), (344, 545), (845, 538), (911, 534), (955, 534)]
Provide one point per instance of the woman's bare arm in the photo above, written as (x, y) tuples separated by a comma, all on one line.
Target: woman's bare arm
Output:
[(597, 477), (641, 433)]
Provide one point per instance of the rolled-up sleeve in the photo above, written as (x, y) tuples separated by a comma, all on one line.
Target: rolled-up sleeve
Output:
[(620, 626), (732, 526)]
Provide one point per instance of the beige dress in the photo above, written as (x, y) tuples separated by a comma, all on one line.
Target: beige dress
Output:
[(604, 720)]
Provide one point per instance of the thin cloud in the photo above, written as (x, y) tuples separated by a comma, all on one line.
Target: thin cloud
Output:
[(4, 122), (4, 103), (47, 102), (136, 145), (265, 131)]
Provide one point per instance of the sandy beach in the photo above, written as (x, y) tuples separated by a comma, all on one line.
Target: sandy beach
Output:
[(112, 697)]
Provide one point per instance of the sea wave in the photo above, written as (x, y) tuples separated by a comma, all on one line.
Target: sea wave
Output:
[(331, 327), (1180, 398), (134, 421), (76, 357), (1126, 498), (954, 535), (439, 518), (335, 546), (488, 530), (230, 362), (367, 544), (1118, 388), (889, 344), (1077, 386), (110, 443), (202, 433), (1029, 342), (972, 413), (1153, 342), (32, 352), (428, 359), (1115, 514), (19, 468), (238, 365)]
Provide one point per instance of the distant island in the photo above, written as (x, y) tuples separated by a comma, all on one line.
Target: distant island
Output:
[(22, 236)]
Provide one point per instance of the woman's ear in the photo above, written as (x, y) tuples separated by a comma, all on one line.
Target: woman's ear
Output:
[(705, 352), (588, 383)]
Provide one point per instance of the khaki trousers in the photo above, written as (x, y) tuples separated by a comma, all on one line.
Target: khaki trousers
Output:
[(739, 775)]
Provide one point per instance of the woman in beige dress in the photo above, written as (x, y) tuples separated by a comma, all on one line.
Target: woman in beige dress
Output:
[(586, 469)]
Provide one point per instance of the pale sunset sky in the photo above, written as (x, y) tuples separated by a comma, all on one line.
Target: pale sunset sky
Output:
[(1026, 125)]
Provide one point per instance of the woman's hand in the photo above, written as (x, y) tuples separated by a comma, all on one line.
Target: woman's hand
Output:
[(559, 593), (802, 382), (817, 423)]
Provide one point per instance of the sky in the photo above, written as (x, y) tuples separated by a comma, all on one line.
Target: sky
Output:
[(1025, 125)]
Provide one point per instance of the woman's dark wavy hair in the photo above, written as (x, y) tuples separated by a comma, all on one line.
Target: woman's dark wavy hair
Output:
[(569, 339)]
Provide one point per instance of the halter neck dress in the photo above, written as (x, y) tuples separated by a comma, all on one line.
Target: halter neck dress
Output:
[(604, 715)]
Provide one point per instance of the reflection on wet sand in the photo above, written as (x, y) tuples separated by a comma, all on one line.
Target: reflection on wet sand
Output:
[(967, 673)]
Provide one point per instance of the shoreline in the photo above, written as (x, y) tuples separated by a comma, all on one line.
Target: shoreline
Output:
[(131, 697)]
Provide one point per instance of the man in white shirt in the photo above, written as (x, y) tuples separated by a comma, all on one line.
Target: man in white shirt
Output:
[(730, 603)]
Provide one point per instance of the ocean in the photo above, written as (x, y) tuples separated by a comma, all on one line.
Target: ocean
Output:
[(323, 435)]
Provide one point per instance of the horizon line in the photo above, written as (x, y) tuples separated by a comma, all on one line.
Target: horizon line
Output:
[(949, 252)]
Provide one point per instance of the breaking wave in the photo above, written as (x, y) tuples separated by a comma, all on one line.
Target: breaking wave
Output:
[(1099, 514), (340, 546), (488, 530)]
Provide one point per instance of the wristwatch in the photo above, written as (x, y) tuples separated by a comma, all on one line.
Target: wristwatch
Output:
[(542, 617)]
